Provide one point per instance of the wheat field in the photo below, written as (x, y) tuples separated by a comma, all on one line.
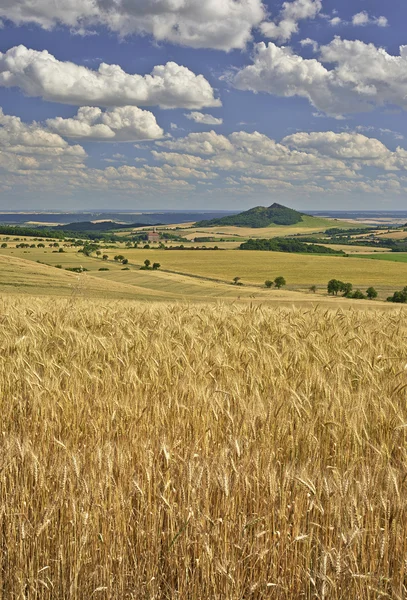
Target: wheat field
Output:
[(201, 452)]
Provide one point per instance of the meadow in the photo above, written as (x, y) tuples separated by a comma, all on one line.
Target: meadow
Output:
[(399, 257), (160, 451)]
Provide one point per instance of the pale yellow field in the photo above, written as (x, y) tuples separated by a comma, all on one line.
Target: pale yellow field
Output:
[(355, 249), (256, 267), (396, 235), (23, 276), (201, 452)]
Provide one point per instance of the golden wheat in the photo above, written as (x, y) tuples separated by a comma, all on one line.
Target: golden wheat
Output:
[(211, 452)]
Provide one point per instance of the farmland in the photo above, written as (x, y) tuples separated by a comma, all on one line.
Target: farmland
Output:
[(200, 274), (256, 266), (220, 451)]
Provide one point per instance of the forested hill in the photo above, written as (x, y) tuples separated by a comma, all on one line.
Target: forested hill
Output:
[(257, 217), (100, 226)]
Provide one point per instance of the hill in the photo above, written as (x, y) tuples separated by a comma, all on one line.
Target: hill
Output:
[(257, 217), (101, 226)]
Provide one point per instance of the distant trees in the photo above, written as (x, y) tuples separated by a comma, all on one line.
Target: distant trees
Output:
[(4, 245), (125, 261), (399, 297), (335, 286), (119, 258), (279, 282), (105, 257), (148, 267), (313, 289), (371, 293), (358, 295), (236, 281)]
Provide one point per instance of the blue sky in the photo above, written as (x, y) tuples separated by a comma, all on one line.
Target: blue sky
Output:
[(194, 104)]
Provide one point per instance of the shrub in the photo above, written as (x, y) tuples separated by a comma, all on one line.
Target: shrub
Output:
[(268, 283)]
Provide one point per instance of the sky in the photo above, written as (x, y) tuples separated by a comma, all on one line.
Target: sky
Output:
[(203, 104)]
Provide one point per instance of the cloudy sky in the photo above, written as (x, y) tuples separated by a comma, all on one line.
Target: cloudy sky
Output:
[(148, 104)]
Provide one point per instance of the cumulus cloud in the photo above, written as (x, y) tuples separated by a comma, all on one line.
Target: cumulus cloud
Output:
[(363, 76), (363, 18), (302, 161), (41, 74), (240, 163), (223, 24), (26, 147), (121, 124), (290, 15), (204, 119)]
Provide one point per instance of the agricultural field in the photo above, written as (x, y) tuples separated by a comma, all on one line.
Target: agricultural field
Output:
[(308, 226), (220, 451), (208, 274), (256, 266), (398, 257)]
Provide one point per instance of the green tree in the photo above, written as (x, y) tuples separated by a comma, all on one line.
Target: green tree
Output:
[(279, 282), (236, 280), (399, 297), (125, 261), (371, 293), (105, 257), (346, 288), (156, 266), (313, 289), (4, 245), (147, 263), (268, 283), (98, 253), (358, 295), (334, 286)]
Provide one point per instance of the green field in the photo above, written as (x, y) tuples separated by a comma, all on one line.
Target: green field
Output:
[(398, 257)]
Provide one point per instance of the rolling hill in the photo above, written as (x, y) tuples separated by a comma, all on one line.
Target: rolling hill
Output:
[(258, 217)]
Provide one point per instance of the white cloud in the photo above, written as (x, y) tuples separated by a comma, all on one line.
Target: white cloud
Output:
[(204, 119), (309, 42), (34, 159), (221, 24), (363, 18), (32, 147), (303, 161), (41, 74), (121, 124), (363, 76), (290, 15), (335, 21)]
